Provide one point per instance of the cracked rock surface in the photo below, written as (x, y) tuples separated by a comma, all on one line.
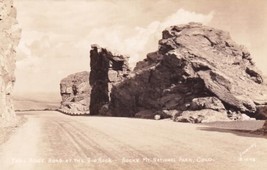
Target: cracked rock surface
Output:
[(75, 91), (9, 39), (107, 69), (196, 68)]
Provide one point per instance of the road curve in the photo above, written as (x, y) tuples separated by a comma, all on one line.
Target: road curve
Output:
[(54, 141)]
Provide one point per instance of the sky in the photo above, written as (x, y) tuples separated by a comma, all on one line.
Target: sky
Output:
[(57, 34)]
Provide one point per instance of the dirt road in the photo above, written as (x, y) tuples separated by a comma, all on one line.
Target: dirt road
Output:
[(53, 141)]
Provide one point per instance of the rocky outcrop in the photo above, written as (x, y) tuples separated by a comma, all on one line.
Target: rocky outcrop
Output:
[(9, 39), (75, 91), (107, 69), (197, 70)]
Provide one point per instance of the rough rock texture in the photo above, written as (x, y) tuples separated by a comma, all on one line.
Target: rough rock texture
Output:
[(9, 39), (202, 116), (107, 69), (207, 103), (196, 67), (75, 92), (261, 112)]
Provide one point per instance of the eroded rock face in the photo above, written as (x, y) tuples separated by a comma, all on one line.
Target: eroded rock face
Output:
[(107, 69), (9, 39), (75, 92), (196, 67)]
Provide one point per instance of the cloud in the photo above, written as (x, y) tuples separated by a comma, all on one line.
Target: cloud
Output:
[(56, 36), (137, 42)]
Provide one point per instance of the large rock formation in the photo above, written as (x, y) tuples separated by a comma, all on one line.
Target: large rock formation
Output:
[(107, 69), (196, 68), (75, 91), (9, 39)]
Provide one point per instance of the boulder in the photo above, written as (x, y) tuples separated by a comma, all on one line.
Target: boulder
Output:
[(196, 68), (207, 103), (246, 117), (157, 117), (202, 116), (170, 113), (75, 92), (9, 39)]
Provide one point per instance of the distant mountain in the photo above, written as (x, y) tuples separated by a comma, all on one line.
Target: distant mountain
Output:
[(36, 101)]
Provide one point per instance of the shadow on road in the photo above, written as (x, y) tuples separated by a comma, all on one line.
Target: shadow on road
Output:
[(244, 133)]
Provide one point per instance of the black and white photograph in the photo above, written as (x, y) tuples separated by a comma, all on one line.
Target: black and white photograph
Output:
[(133, 84)]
